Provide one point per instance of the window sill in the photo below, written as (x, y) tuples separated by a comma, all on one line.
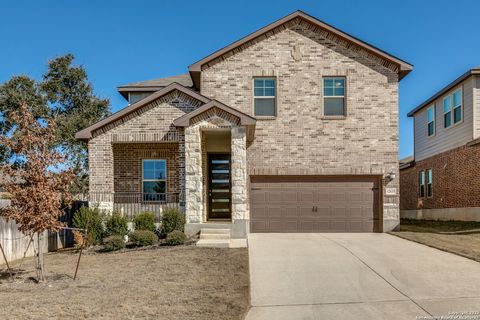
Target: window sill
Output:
[(333, 117), (265, 117)]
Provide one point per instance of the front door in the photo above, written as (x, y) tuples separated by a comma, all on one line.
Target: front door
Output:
[(219, 187)]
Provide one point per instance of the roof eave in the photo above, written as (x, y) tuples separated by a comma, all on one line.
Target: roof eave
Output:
[(184, 120), (86, 133), (442, 91), (404, 67)]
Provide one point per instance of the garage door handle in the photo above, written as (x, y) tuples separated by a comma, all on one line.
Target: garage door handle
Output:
[(256, 188)]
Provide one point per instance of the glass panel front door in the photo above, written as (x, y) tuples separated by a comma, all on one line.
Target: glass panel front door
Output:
[(219, 187)]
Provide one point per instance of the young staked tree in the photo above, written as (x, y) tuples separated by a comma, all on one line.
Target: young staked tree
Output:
[(39, 183)]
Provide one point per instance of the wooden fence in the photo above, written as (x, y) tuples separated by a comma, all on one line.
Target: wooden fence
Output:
[(15, 243)]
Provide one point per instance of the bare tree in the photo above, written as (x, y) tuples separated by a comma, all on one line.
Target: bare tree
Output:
[(39, 183)]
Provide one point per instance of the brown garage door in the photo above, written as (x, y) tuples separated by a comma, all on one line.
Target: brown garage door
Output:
[(314, 204)]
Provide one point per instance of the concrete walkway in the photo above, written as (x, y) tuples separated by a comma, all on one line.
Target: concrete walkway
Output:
[(356, 276)]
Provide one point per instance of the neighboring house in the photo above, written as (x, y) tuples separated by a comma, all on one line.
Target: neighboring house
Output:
[(293, 128), (442, 180)]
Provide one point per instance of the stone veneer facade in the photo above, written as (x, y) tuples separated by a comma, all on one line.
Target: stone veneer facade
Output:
[(195, 207), (300, 140)]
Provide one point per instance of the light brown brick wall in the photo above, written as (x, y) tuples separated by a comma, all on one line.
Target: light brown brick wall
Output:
[(127, 160), (150, 124), (300, 137), (456, 180), (300, 140)]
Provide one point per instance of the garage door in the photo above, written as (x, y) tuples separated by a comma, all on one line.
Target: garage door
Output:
[(314, 204)]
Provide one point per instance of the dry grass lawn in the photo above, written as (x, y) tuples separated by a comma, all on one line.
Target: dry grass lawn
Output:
[(458, 237), (163, 283)]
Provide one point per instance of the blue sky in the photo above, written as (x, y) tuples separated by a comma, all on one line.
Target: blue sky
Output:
[(125, 41)]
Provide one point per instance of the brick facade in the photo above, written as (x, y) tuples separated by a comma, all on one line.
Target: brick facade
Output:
[(127, 164), (152, 124), (455, 177), (300, 140)]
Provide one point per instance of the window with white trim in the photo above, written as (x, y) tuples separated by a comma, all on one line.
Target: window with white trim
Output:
[(154, 179), (452, 108), (264, 103), (429, 183), (447, 111), (457, 106), (422, 184), (334, 96), (431, 120)]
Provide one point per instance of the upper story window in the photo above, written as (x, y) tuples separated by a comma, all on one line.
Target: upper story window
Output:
[(429, 183), (431, 120), (264, 97), (452, 108), (457, 106), (333, 96), (447, 111), (154, 180), (422, 184)]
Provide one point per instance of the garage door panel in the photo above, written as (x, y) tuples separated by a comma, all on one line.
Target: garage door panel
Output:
[(306, 211), (322, 195), (290, 212), (274, 196), (355, 212), (289, 196), (257, 196), (258, 226), (308, 225), (274, 212), (342, 204), (305, 195), (339, 213), (290, 226), (324, 211), (338, 195)]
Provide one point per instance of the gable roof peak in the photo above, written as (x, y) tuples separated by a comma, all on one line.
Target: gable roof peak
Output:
[(86, 133), (403, 67)]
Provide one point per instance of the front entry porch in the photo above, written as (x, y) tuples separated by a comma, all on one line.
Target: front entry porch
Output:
[(216, 168)]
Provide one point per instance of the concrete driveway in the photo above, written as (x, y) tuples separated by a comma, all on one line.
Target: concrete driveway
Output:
[(356, 276)]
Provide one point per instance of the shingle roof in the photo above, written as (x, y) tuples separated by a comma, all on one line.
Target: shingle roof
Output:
[(437, 95), (156, 84), (183, 79), (406, 162)]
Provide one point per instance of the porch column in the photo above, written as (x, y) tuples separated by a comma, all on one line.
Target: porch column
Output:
[(240, 214), (193, 176)]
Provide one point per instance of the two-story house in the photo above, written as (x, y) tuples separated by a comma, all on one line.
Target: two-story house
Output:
[(442, 180), (293, 128)]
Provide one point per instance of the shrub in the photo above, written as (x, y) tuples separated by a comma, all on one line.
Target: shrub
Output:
[(113, 243), (176, 238), (172, 219), (143, 238), (91, 218), (116, 224), (145, 221)]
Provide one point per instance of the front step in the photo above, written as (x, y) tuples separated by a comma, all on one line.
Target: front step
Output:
[(214, 231), (214, 238), (215, 243)]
